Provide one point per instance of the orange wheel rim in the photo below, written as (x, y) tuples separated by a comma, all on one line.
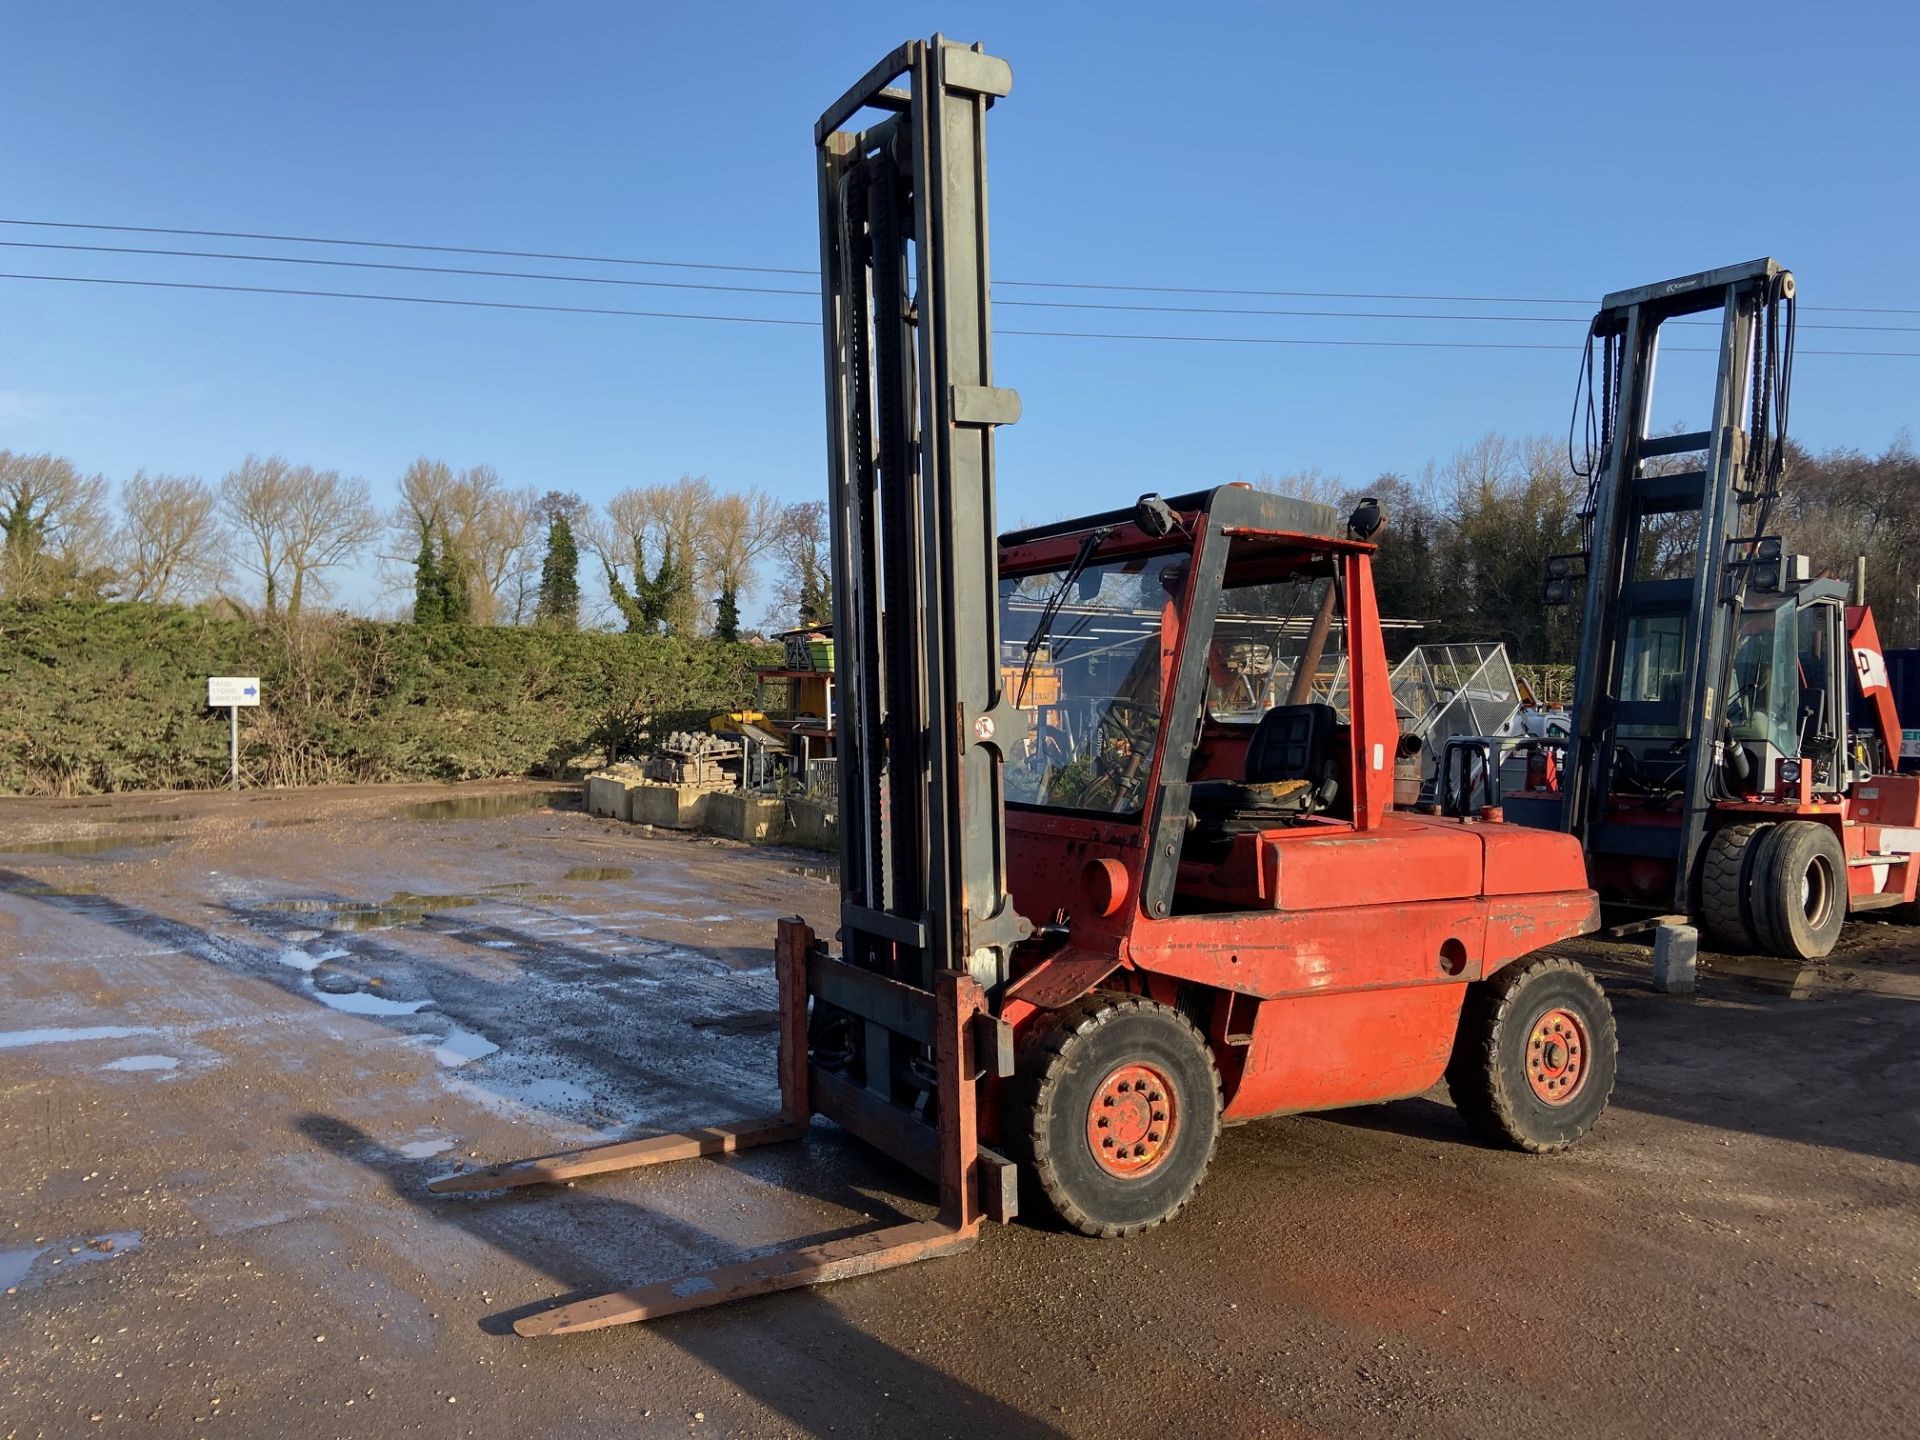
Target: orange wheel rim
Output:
[(1132, 1121), (1557, 1056)]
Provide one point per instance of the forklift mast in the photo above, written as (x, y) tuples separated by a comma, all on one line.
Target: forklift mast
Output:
[(911, 411), (1670, 555)]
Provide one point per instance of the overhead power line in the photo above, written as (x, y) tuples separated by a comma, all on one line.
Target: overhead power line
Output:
[(412, 299), (812, 273), (809, 293), (814, 324)]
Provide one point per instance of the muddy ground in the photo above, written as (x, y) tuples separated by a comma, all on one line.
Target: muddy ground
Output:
[(238, 1035)]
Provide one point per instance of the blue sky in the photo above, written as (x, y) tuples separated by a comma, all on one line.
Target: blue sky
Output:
[(1509, 150)]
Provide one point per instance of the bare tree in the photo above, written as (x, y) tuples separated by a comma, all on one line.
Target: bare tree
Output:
[(740, 528), (54, 532), (1312, 484), (661, 531), (170, 538), (803, 591), (293, 524), (486, 535), (495, 532)]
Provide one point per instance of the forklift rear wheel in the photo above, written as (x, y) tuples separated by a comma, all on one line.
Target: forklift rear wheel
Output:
[(1534, 1058), (1800, 891), (1118, 1109), (1726, 885)]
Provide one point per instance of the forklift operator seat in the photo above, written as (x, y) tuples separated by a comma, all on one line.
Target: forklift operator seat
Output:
[(1292, 770)]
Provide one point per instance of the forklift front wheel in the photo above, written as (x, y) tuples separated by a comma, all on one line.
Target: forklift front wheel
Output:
[(1800, 890), (1534, 1058), (1118, 1109)]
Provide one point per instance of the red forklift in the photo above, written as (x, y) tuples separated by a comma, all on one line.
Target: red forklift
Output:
[(1078, 936), (1734, 746)]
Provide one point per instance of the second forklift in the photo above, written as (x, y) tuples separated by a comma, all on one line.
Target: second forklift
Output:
[(1734, 744)]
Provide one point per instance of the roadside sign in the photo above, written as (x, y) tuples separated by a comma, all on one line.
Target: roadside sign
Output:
[(226, 690)]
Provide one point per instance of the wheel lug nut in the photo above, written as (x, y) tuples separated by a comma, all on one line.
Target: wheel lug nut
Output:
[(1108, 1142), (1104, 1122), (1154, 1136), (1159, 1115), (1124, 1087), (1107, 1101)]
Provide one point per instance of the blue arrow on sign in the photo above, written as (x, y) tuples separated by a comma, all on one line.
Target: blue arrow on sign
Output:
[(251, 690)]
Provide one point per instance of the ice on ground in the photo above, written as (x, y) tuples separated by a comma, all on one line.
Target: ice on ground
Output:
[(16, 1039), (358, 1002), (142, 1062), (425, 1149), (296, 958), (462, 1046)]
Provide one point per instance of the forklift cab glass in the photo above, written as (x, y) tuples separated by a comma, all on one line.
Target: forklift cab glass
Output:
[(1261, 641), (1652, 669), (1092, 690), (1766, 692)]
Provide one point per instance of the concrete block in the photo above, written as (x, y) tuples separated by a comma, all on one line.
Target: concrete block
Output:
[(814, 824), (1675, 950), (757, 819), (673, 807), (607, 795)]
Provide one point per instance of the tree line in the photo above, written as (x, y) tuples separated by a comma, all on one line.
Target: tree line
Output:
[(1465, 548), (465, 547), (1463, 553)]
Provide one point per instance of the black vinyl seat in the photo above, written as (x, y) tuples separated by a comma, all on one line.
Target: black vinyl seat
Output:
[(1293, 769)]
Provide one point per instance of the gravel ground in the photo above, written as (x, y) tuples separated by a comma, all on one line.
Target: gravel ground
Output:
[(238, 1034)]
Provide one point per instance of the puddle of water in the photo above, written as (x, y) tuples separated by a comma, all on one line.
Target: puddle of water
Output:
[(14, 1265), (87, 845), (405, 908), (463, 1046), (488, 807), (599, 872), (142, 1062), (509, 887), (23, 1269), (501, 944), (284, 822), (815, 872), (149, 816), (358, 1002), (40, 890), (16, 1039), (425, 1149)]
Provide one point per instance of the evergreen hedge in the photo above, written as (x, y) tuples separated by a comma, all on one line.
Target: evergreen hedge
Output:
[(112, 696)]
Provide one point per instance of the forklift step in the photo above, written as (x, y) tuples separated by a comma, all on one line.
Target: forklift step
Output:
[(1681, 444), (1671, 494)]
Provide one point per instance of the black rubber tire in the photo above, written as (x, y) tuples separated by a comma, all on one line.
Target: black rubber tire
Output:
[(1060, 1072), (1800, 891), (1726, 885), (1488, 1072)]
